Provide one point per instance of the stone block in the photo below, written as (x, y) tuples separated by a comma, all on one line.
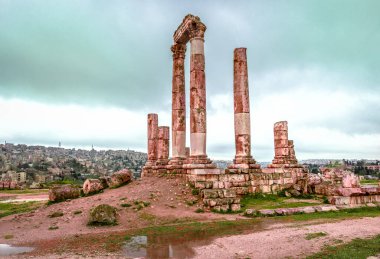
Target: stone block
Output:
[(308, 210), (210, 194), (235, 207), (250, 212), (224, 208), (228, 193), (241, 190), (267, 213)]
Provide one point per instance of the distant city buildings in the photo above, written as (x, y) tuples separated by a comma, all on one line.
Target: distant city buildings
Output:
[(34, 166)]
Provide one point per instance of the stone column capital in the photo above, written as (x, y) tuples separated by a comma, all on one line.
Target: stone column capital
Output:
[(197, 31), (178, 50)]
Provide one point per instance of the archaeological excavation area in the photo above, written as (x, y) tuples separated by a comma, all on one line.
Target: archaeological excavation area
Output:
[(222, 189)]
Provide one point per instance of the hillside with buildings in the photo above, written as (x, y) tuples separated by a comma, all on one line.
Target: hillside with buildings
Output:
[(36, 166)]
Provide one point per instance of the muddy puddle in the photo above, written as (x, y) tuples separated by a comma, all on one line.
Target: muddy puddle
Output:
[(13, 250), (180, 245)]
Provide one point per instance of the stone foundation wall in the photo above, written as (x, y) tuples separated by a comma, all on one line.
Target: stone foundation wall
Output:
[(221, 192)]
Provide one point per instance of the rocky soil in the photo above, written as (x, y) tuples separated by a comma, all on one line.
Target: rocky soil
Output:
[(168, 200)]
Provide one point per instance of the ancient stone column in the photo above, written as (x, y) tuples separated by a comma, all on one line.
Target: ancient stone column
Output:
[(152, 122), (178, 104), (163, 145), (243, 158), (281, 150), (152, 137), (197, 94)]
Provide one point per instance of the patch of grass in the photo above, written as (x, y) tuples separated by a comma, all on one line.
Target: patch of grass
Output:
[(199, 210), (140, 204), (229, 211), (53, 227), (191, 202), (25, 191), (195, 192), (310, 236), (325, 200), (341, 214), (55, 214), (10, 208), (9, 236), (357, 248), (147, 216), (270, 201), (369, 182), (125, 205), (77, 212)]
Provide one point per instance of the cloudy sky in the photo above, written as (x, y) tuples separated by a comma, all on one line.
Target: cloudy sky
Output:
[(88, 72)]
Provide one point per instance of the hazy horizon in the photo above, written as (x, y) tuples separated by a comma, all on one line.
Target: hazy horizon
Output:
[(88, 72)]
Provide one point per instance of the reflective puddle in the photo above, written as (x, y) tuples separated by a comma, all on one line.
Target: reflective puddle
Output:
[(178, 245), (12, 250)]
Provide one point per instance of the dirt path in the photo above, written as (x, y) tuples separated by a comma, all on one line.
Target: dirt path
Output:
[(288, 242)]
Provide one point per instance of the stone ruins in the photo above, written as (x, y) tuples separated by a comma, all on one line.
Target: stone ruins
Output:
[(221, 189)]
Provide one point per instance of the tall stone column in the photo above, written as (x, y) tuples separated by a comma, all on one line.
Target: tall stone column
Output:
[(197, 96), (178, 105), (152, 123), (242, 121)]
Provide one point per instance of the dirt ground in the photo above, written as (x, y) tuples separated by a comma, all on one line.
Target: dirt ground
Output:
[(169, 199), (288, 241)]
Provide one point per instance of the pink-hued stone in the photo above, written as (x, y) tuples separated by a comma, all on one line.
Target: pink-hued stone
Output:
[(163, 143), (350, 180), (152, 136), (241, 104), (283, 148), (191, 29), (198, 121), (178, 101), (197, 62), (197, 98), (243, 158), (179, 120)]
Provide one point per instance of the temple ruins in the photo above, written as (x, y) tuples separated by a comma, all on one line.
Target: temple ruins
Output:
[(220, 189)]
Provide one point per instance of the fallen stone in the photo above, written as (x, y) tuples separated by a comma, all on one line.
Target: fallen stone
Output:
[(325, 208), (267, 213), (235, 207), (63, 192), (308, 210), (91, 186), (103, 215), (119, 178), (250, 212), (104, 181)]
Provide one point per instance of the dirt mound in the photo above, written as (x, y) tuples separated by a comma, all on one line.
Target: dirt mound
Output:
[(145, 202)]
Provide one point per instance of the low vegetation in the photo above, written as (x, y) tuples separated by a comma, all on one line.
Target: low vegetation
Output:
[(10, 208), (25, 191), (369, 182), (357, 248), (271, 201)]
